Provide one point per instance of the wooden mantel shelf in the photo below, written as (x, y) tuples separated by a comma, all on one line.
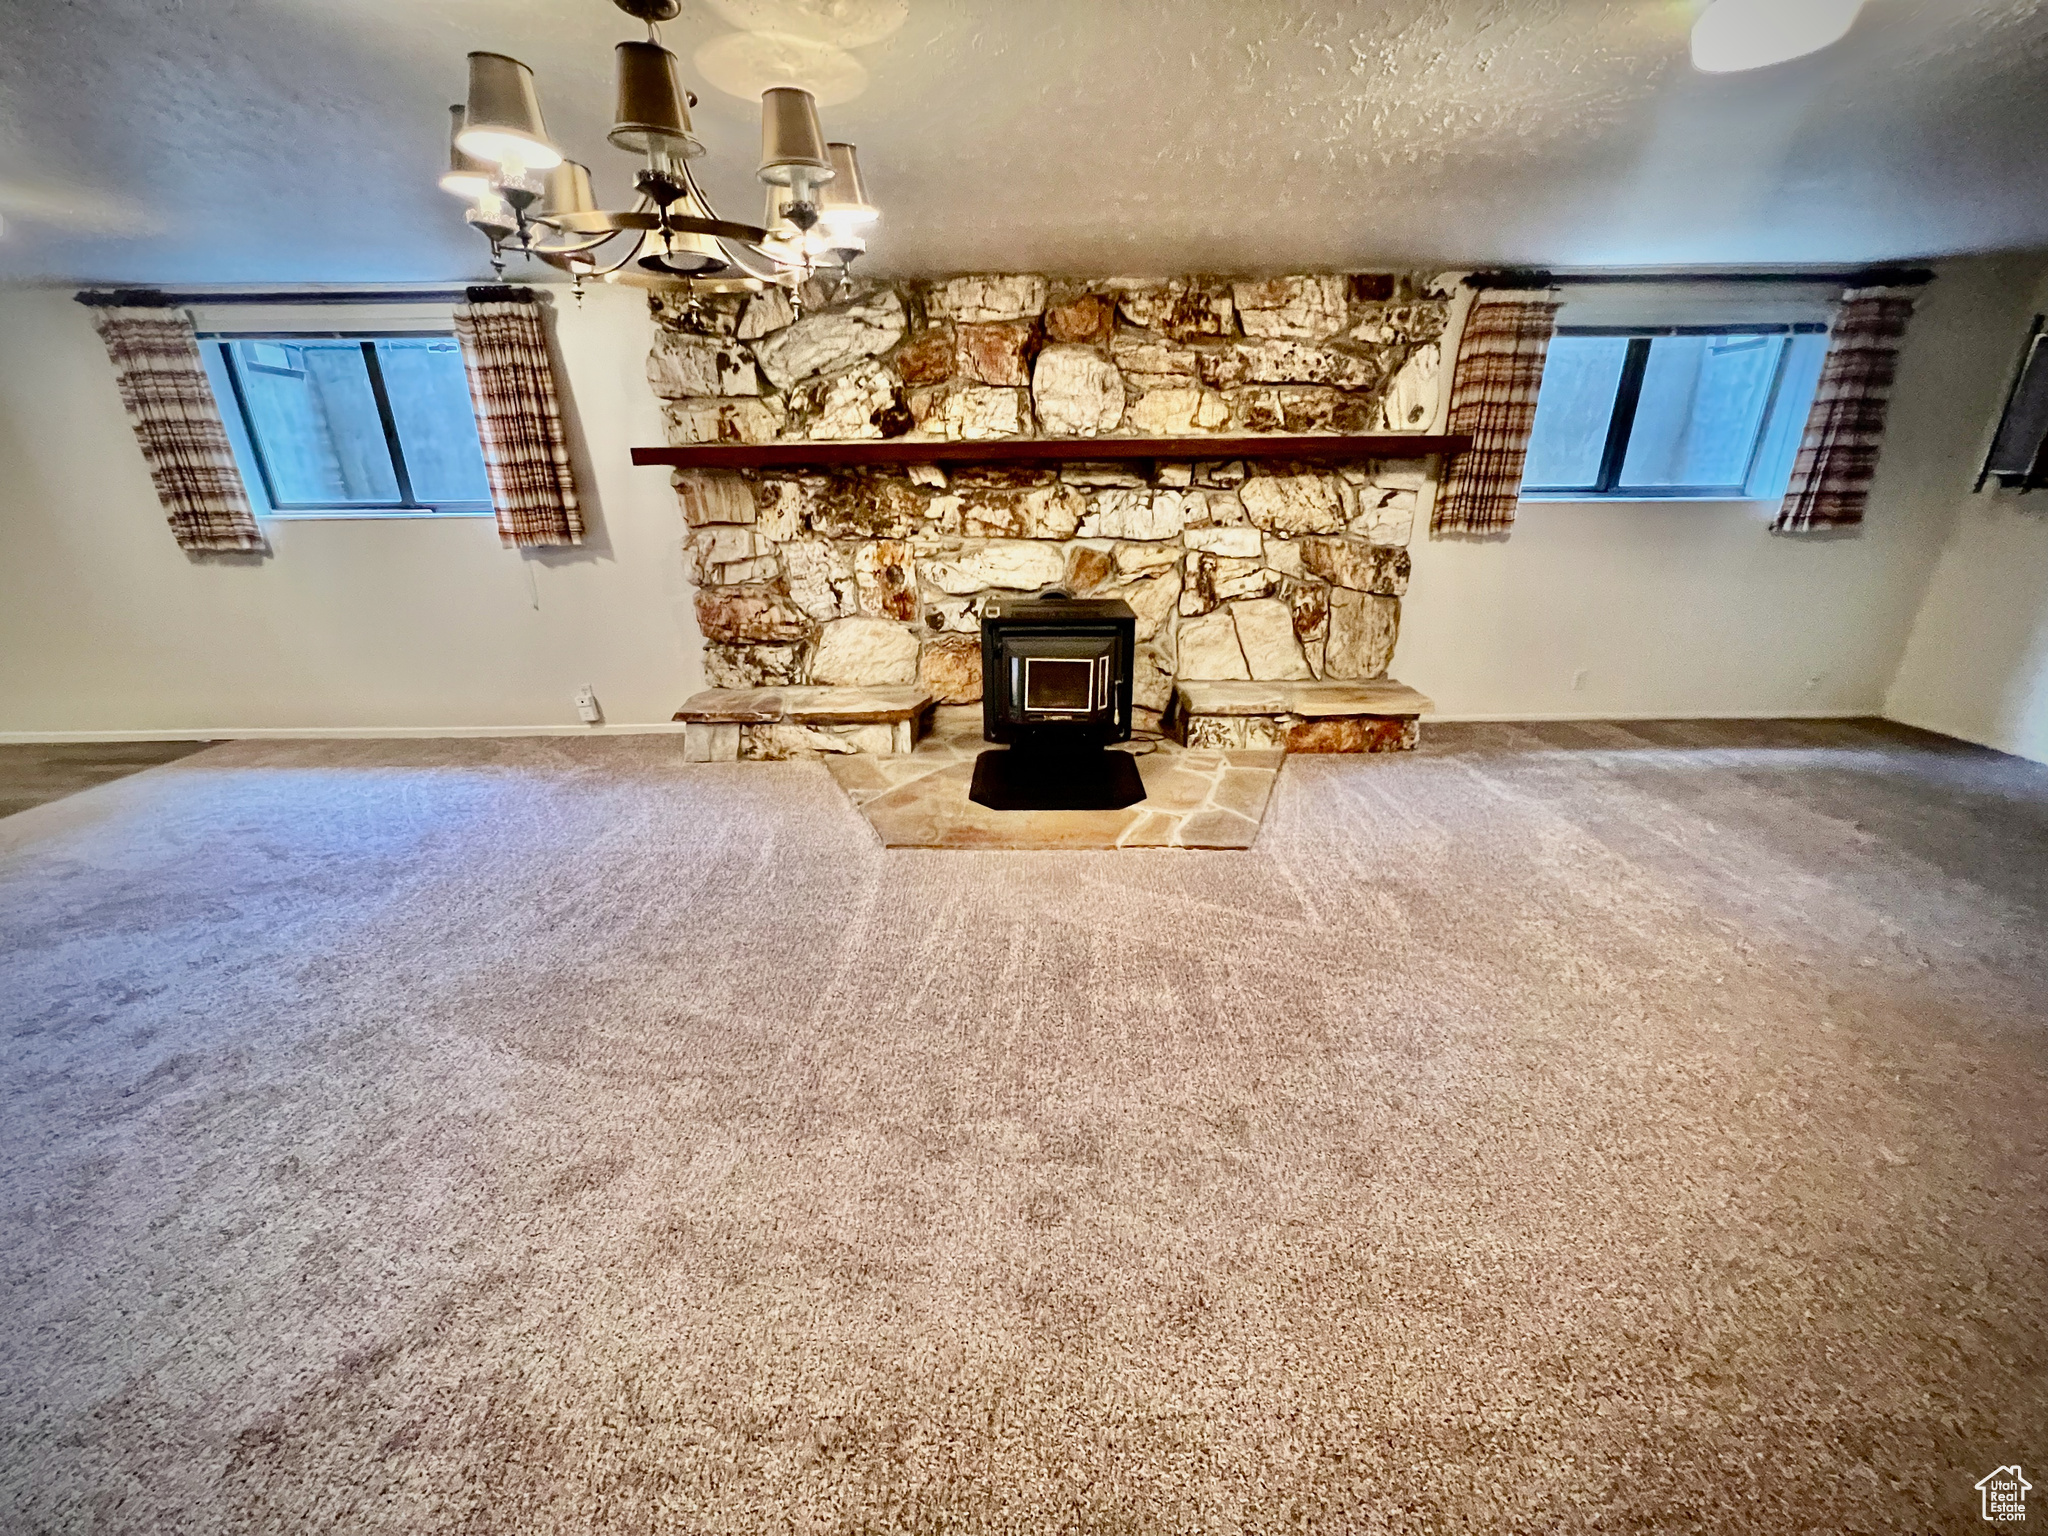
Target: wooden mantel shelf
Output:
[(896, 452)]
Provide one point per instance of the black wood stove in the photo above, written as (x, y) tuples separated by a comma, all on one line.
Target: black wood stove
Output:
[(1056, 686)]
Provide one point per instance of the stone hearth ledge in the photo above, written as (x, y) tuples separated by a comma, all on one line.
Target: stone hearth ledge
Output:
[(1380, 715), (724, 725)]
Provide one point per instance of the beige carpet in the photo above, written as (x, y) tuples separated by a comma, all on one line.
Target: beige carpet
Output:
[(1599, 1128)]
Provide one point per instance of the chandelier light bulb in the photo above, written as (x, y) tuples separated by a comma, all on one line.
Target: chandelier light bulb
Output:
[(800, 245), (1733, 35), (493, 217), (785, 240), (517, 187)]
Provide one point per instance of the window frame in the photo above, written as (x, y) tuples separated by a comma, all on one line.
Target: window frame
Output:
[(1628, 393), (2033, 356), (221, 345)]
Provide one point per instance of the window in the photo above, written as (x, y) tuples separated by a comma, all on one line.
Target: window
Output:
[(362, 425), (2019, 454), (1705, 412)]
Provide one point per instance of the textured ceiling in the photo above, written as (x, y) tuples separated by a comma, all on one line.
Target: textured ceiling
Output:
[(288, 141)]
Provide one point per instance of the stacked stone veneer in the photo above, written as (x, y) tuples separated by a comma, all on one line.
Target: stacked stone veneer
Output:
[(1246, 568)]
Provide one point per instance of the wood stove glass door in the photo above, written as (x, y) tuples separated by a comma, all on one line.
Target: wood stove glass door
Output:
[(1061, 685)]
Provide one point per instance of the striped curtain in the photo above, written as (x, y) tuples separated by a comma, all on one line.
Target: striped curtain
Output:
[(519, 419), (171, 408), (1838, 456), (1493, 397)]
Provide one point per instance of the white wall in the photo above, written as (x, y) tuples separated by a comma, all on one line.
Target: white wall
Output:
[(107, 627), (1976, 664), (1695, 608), (1688, 609)]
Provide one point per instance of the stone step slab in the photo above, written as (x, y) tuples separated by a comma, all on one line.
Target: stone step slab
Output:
[(726, 725), (1377, 716), (805, 706), (1312, 700)]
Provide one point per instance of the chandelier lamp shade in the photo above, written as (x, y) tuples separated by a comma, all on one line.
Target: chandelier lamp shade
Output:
[(503, 122), (467, 177), (653, 114), (845, 204), (567, 191), (528, 199), (793, 150)]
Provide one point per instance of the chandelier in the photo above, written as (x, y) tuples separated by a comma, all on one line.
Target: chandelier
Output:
[(529, 200)]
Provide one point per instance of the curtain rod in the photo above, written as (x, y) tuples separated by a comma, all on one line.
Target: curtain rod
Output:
[(1535, 277), (1846, 277), (160, 298)]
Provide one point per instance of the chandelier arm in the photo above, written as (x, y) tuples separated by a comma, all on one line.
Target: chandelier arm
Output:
[(749, 259), (608, 223), (641, 216), (748, 234), (563, 264), (747, 250), (624, 261), (576, 249), (690, 185), (724, 229)]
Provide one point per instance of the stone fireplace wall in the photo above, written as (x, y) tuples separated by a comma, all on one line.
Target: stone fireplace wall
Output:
[(1242, 568)]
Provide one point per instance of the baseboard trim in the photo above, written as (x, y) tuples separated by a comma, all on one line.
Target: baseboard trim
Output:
[(330, 732), (670, 727), (1623, 716), (1955, 735)]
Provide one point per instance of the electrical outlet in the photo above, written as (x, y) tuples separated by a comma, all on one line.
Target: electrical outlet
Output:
[(587, 706), (1578, 680)]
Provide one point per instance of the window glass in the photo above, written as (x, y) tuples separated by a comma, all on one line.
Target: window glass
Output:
[(351, 423), (1798, 381), (429, 396), (1574, 408), (312, 410), (1701, 409), (1703, 413), (2023, 430)]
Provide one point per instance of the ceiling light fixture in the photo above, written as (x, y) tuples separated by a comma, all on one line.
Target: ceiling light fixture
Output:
[(1733, 35), (528, 200)]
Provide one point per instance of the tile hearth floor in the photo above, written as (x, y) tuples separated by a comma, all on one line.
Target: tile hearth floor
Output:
[(1193, 799)]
